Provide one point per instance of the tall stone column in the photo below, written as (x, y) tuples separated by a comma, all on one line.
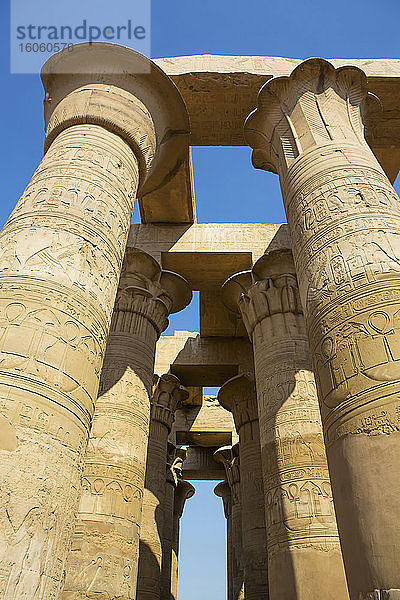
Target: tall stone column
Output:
[(229, 457), (254, 543), (344, 220), (176, 456), (167, 394), (223, 491), (105, 547), (61, 255), (304, 556), (184, 490)]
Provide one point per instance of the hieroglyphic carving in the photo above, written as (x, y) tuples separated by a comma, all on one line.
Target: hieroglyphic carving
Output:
[(58, 280), (238, 396), (108, 525), (300, 518), (344, 222), (166, 395), (229, 457)]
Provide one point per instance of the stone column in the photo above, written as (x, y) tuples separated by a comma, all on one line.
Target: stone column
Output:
[(184, 491), (223, 490), (229, 457), (166, 396), (304, 556), (176, 456), (344, 220), (254, 543), (105, 547), (60, 260)]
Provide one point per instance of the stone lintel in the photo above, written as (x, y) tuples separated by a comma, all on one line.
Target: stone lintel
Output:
[(206, 254), (200, 464), (206, 361), (174, 202), (220, 91), (173, 245)]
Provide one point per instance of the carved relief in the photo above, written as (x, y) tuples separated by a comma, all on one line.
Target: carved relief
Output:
[(298, 499)]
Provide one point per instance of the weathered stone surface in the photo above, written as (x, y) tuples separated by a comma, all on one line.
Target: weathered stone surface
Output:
[(220, 91), (184, 490), (344, 222), (166, 396), (239, 392), (169, 564), (108, 521), (117, 128), (304, 556), (228, 456), (59, 271)]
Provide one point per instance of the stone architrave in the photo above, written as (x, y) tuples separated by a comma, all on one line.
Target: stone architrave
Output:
[(223, 491), (60, 260), (105, 546), (304, 556), (176, 456), (166, 396), (254, 544), (229, 457), (344, 221), (184, 490)]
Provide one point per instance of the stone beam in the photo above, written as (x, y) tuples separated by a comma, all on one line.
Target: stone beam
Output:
[(174, 202), (204, 426), (208, 361), (220, 91), (172, 245), (200, 464), (206, 254)]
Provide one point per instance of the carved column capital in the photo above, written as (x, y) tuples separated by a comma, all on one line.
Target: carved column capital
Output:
[(269, 289), (91, 85), (166, 396), (228, 456), (184, 491), (175, 460), (147, 291), (316, 105), (223, 490), (238, 395)]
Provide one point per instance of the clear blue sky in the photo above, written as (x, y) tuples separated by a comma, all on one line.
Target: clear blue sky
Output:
[(228, 189)]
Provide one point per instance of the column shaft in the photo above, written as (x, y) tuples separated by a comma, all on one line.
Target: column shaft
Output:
[(252, 558), (253, 515), (304, 556), (167, 540), (176, 456), (229, 457), (164, 402), (104, 553), (183, 491), (62, 253), (344, 220), (223, 491)]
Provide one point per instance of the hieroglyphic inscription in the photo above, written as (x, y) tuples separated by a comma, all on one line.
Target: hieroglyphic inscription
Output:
[(59, 270), (300, 517)]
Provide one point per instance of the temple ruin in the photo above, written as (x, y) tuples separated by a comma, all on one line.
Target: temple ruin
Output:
[(103, 420)]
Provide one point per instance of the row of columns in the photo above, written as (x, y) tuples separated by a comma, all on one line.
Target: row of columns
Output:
[(107, 135)]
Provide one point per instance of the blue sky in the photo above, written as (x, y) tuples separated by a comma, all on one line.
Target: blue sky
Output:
[(228, 189)]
